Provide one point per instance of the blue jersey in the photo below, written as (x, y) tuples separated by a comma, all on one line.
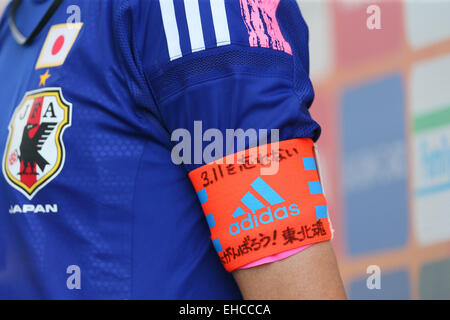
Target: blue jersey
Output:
[(92, 205)]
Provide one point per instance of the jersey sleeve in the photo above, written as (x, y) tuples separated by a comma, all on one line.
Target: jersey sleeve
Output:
[(221, 70)]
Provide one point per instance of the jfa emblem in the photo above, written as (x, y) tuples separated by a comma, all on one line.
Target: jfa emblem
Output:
[(35, 153)]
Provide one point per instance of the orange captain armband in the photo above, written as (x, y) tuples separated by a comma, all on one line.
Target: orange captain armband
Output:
[(253, 215)]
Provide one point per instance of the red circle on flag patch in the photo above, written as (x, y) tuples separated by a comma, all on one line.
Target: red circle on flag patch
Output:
[(58, 45)]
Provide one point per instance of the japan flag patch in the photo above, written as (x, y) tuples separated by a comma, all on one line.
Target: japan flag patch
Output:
[(60, 40)]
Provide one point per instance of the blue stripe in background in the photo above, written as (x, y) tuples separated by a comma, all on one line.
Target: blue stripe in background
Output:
[(430, 190)]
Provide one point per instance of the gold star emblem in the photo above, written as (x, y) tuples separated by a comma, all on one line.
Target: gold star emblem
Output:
[(44, 78)]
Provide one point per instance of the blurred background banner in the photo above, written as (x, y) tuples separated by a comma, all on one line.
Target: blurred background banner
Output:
[(381, 70), (3, 4)]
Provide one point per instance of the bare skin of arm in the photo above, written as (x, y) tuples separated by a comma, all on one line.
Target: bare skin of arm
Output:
[(310, 274)]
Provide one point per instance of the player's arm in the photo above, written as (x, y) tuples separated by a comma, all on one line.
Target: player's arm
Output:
[(227, 68), (310, 274)]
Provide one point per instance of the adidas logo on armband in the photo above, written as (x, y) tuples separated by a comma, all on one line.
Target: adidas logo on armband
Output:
[(277, 209)]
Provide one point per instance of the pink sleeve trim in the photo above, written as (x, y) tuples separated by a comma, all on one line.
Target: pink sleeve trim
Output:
[(275, 257)]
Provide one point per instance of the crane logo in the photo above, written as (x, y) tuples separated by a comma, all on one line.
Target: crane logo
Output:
[(35, 153)]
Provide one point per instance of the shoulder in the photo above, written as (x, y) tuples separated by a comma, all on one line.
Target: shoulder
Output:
[(167, 30)]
